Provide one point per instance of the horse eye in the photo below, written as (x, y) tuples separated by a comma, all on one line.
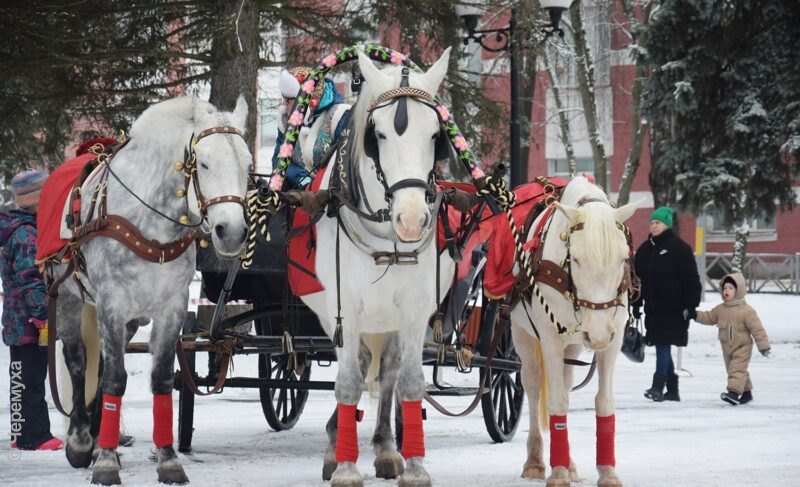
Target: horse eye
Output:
[(433, 137), (380, 136)]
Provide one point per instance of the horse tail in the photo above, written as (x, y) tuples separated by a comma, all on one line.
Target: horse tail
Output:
[(91, 343), (375, 342), (544, 414)]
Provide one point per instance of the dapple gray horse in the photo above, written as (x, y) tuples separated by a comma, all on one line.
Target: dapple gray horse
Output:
[(173, 174)]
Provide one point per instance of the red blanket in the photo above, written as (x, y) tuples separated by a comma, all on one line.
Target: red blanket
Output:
[(499, 277), (302, 250), (51, 206)]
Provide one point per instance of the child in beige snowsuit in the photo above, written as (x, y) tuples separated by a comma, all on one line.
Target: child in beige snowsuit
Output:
[(738, 326)]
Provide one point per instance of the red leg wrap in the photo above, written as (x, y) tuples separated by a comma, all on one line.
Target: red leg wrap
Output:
[(605, 440), (109, 422), (559, 442), (162, 420), (347, 435), (413, 436)]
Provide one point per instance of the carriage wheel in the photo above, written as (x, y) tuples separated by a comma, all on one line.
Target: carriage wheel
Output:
[(502, 403), (282, 406)]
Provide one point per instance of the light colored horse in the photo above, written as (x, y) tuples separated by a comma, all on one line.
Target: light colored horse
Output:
[(586, 233), (385, 307), (157, 195)]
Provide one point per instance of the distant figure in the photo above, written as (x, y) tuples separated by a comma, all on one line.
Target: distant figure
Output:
[(738, 326), (670, 291), (323, 122), (25, 317)]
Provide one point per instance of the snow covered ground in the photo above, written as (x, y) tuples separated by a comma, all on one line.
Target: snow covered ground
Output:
[(700, 441)]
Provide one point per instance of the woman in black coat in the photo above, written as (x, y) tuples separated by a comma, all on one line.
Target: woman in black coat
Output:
[(670, 293)]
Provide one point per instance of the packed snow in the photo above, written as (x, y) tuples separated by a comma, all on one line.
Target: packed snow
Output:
[(700, 441)]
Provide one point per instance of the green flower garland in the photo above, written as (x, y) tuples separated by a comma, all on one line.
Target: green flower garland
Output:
[(317, 75)]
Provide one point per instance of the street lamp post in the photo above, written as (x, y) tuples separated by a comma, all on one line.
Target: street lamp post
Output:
[(471, 14)]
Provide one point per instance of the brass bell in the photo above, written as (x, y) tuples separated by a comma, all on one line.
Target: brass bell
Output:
[(564, 235), (203, 243), (184, 219), (180, 193), (179, 166)]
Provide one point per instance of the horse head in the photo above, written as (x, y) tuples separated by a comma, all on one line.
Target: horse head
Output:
[(222, 164), (597, 253), (401, 136)]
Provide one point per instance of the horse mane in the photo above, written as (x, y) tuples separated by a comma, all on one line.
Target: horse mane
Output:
[(599, 223)]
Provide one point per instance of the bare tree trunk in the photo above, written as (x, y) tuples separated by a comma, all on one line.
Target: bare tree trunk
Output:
[(742, 233), (585, 66), (235, 54), (563, 122), (639, 125)]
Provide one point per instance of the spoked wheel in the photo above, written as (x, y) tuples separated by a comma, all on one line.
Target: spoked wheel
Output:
[(502, 403), (282, 406)]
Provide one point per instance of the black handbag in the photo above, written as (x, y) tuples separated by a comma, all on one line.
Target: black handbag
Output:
[(633, 341)]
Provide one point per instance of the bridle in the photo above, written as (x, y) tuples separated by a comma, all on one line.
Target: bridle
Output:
[(559, 276), (400, 96), (191, 176)]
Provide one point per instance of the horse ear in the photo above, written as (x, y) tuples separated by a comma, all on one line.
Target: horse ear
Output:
[(624, 212), (371, 72), (431, 80), (570, 212), (240, 113)]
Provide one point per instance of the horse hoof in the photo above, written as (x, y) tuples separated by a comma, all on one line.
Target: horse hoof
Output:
[(608, 477), (78, 458), (389, 465), (106, 468), (560, 477), (532, 472), (169, 468), (327, 470), (346, 475), (415, 474)]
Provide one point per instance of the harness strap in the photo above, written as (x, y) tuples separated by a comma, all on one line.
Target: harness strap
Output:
[(122, 230), (225, 351)]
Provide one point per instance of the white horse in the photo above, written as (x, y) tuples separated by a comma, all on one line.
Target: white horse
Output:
[(586, 239), (147, 277), (385, 305)]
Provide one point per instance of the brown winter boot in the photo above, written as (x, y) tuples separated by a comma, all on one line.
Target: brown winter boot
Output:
[(656, 392), (672, 389)]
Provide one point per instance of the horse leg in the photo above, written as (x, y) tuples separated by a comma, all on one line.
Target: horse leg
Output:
[(349, 382), (410, 388), (329, 463), (604, 407), (162, 381), (525, 345), (388, 462), (558, 405), (571, 352), (113, 384), (79, 436)]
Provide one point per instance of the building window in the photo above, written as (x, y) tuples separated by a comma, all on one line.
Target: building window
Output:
[(560, 167), (761, 228)]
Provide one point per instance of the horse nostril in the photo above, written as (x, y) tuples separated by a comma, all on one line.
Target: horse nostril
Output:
[(220, 231), (398, 219)]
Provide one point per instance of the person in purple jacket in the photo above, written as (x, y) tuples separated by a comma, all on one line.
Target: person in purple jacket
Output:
[(25, 317)]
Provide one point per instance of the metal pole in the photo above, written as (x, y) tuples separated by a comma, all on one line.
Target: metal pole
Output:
[(519, 169)]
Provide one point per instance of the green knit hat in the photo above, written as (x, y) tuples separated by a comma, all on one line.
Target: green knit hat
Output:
[(664, 215)]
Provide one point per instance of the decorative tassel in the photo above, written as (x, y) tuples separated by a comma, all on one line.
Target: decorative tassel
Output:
[(438, 328), (288, 348), (338, 340), (441, 354)]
